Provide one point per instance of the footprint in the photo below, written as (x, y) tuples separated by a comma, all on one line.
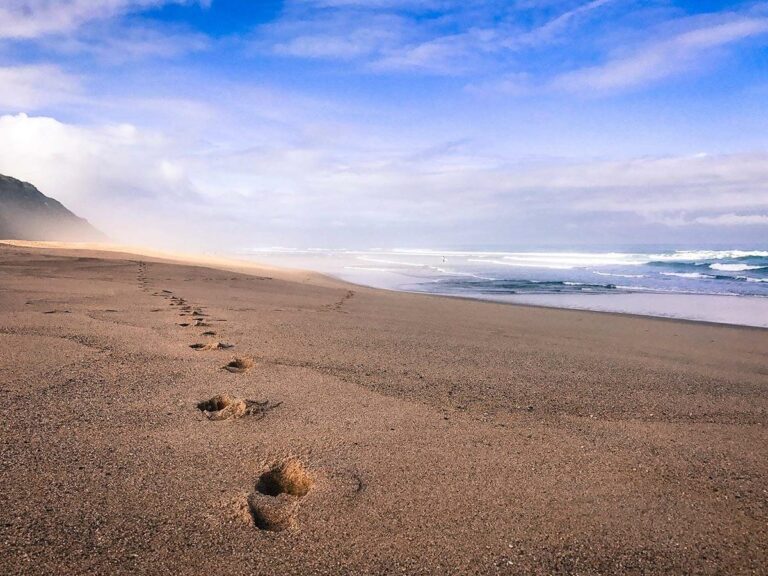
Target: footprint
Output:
[(184, 324), (56, 312), (279, 490), (225, 407), (208, 333), (239, 365), (211, 346), (222, 407), (202, 324)]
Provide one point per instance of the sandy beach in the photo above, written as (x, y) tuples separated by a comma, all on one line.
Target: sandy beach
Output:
[(366, 431)]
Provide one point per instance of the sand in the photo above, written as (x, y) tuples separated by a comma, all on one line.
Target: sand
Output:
[(388, 433)]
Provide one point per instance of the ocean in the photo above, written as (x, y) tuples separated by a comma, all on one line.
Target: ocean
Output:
[(725, 285)]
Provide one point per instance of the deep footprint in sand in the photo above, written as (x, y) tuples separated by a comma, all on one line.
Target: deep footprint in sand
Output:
[(208, 333), (211, 346), (239, 365), (279, 490), (225, 407)]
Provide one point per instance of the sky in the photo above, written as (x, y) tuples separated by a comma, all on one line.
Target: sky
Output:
[(225, 125)]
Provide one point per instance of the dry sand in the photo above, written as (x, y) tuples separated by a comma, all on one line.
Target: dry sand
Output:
[(364, 432)]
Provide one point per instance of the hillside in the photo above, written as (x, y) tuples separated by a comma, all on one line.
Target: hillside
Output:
[(28, 214)]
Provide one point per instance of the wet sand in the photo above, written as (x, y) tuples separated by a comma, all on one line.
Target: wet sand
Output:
[(739, 310), (378, 433)]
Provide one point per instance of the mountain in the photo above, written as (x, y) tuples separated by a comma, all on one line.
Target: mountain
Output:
[(28, 214)]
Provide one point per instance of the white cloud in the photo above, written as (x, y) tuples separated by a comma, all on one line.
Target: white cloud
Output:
[(444, 55), (35, 18), (339, 35), (406, 35), (665, 57), (27, 88), (116, 44), (556, 26), (513, 84), (78, 164)]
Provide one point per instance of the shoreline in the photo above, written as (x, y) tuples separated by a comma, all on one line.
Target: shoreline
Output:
[(526, 300), (512, 300), (549, 301)]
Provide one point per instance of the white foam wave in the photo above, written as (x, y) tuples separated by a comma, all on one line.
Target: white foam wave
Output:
[(523, 264), (551, 260), (618, 275), (446, 271), (692, 275), (569, 260), (713, 254), (370, 269), (749, 279), (457, 273), (635, 288), (392, 262), (735, 267)]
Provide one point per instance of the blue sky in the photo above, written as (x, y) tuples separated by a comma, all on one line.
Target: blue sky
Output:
[(392, 122)]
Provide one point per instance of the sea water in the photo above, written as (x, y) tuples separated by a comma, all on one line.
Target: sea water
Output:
[(722, 285)]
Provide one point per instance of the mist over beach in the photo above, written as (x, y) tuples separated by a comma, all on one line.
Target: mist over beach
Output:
[(377, 287)]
